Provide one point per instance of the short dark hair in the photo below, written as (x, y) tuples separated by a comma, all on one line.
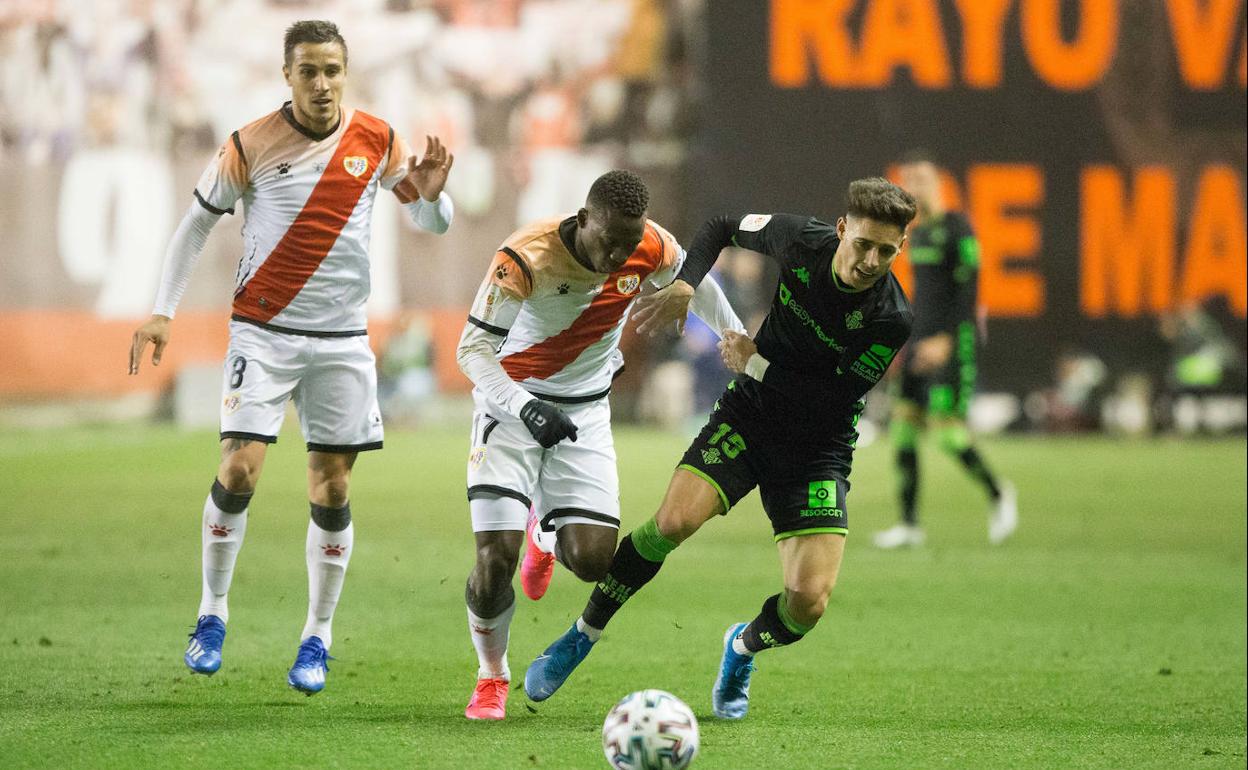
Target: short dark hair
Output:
[(879, 199), (312, 31), (620, 191)]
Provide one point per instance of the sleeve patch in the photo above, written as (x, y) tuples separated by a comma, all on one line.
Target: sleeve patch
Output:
[(752, 223)]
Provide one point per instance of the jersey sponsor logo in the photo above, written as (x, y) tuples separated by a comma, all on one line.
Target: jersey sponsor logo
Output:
[(853, 320), (821, 499), (752, 223), (803, 315), (627, 284), (355, 164), (871, 364)]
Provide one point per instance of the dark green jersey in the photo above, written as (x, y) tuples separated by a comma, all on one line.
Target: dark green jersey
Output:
[(945, 258), (826, 345)]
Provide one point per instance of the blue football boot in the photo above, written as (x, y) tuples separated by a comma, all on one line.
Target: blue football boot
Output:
[(552, 668), (311, 663), (203, 653), (730, 698)]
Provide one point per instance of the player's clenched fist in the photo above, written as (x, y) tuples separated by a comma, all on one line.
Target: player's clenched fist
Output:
[(736, 350), (547, 423)]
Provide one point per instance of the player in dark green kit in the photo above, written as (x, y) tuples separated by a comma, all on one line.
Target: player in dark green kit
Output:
[(786, 423), (938, 375)]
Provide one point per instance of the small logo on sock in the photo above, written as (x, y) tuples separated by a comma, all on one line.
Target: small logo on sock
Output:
[(220, 530), (483, 631), (334, 549)]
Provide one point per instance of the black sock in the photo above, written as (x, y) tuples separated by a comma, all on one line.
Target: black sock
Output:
[(769, 629), (908, 467), (629, 572), (979, 471)]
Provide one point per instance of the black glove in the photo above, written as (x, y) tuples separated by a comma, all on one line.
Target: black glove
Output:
[(547, 422)]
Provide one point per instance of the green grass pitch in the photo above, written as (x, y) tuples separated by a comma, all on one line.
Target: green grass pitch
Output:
[(1109, 633)]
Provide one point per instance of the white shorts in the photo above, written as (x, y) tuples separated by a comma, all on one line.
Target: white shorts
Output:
[(333, 381), (573, 482)]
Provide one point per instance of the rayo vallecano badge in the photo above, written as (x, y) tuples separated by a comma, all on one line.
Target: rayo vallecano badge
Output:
[(627, 284), (355, 164)]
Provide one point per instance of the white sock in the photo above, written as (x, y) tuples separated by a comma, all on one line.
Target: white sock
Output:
[(594, 634), (328, 553), (489, 637), (738, 645), (221, 535)]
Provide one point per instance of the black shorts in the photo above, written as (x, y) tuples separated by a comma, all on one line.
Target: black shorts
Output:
[(948, 392), (802, 481)]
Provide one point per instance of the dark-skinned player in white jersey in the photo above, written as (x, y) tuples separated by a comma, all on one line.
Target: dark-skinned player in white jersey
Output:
[(786, 423)]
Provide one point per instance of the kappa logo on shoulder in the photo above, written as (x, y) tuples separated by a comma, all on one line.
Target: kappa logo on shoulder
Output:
[(627, 284), (355, 164)]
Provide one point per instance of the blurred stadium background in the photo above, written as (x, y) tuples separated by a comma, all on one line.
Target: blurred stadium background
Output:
[(1098, 147)]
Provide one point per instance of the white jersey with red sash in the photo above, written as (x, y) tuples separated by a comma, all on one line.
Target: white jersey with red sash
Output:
[(562, 321), (307, 209)]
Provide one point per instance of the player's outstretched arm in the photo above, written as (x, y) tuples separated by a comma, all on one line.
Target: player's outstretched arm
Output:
[(711, 305), (184, 249), (665, 307)]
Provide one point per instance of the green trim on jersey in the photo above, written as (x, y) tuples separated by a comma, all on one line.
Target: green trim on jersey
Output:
[(811, 531), (836, 281), (702, 475)]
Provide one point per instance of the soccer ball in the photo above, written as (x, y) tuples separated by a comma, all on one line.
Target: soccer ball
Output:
[(650, 730)]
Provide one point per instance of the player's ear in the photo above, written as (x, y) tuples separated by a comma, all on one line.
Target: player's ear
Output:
[(840, 227), (286, 74)]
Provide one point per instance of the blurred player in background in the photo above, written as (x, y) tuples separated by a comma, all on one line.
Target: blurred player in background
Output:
[(308, 175), (938, 376), (786, 424), (542, 346)]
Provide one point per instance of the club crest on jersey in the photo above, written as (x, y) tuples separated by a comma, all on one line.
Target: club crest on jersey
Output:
[(627, 284), (752, 223), (476, 457), (232, 402), (355, 164)]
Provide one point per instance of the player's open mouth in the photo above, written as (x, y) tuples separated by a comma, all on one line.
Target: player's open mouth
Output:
[(863, 273)]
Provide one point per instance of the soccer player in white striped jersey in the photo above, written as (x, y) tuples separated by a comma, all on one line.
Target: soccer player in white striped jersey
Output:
[(307, 174), (542, 346)]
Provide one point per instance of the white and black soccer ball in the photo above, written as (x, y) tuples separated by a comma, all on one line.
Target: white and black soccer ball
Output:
[(650, 730)]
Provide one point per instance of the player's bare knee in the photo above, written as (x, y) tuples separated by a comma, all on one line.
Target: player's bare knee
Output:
[(333, 492), (238, 474), (808, 603), (678, 520), (496, 563), (588, 563)]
